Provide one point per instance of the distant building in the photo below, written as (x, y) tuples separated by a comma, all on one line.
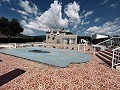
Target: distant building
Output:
[(84, 41), (61, 37), (99, 36)]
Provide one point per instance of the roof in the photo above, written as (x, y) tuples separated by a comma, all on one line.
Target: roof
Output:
[(61, 32), (68, 33)]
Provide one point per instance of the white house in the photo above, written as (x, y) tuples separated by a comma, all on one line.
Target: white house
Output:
[(61, 37)]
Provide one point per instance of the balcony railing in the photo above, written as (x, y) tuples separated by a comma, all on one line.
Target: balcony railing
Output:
[(111, 43)]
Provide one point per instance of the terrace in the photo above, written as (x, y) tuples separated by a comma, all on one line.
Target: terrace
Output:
[(92, 75)]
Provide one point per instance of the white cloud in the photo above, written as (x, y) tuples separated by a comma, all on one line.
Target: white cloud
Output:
[(84, 16), (34, 25), (12, 9), (105, 1), (31, 23), (97, 20), (0, 5), (22, 12), (84, 23), (31, 26), (29, 7), (110, 28), (53, 17), (88, 13), (72, 11), (84, 11), (19, 11), (50, 19), (27, 31), (24, 17), (94, 29), (113, 5)]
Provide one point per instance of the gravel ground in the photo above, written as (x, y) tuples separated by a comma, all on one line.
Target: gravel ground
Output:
[(93, 75)]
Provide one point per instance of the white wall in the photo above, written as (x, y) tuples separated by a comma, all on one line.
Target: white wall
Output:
[(98, 36), (61, 37), (101, 36)]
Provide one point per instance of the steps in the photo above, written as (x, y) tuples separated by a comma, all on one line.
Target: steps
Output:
[(111, 53), (106, 56)]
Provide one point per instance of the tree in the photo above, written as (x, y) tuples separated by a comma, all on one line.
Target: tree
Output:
[(10, 28), (4, 25)]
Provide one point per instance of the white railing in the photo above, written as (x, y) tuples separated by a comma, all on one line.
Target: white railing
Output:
[(17, 45), (23, 44), (110, 43), (8, 45), (116, 57), (29, 44), (84, 46)]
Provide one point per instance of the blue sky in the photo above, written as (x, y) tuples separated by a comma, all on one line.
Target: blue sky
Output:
[(83, 17)]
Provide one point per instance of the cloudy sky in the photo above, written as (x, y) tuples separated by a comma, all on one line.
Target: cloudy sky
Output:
[(83, 17)]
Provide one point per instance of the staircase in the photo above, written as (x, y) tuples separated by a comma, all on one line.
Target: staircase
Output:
[(107, 56), (109, 51)]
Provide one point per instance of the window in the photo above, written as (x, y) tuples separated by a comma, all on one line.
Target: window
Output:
[(57, 32), (48, 37), (53, 38), (73, 40)]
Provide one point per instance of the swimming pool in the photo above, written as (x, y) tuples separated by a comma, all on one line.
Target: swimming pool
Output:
[(52, 56)]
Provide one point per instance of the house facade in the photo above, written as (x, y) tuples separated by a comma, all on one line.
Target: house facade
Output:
[(61, 37)]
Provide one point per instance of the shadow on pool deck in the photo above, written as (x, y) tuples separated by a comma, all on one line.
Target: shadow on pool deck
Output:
[(10, 76)]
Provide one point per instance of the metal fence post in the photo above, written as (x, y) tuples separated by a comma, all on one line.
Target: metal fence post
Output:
[(113, 60)]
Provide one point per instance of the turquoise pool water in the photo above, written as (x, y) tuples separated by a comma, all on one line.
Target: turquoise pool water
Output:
[(56, 57)]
